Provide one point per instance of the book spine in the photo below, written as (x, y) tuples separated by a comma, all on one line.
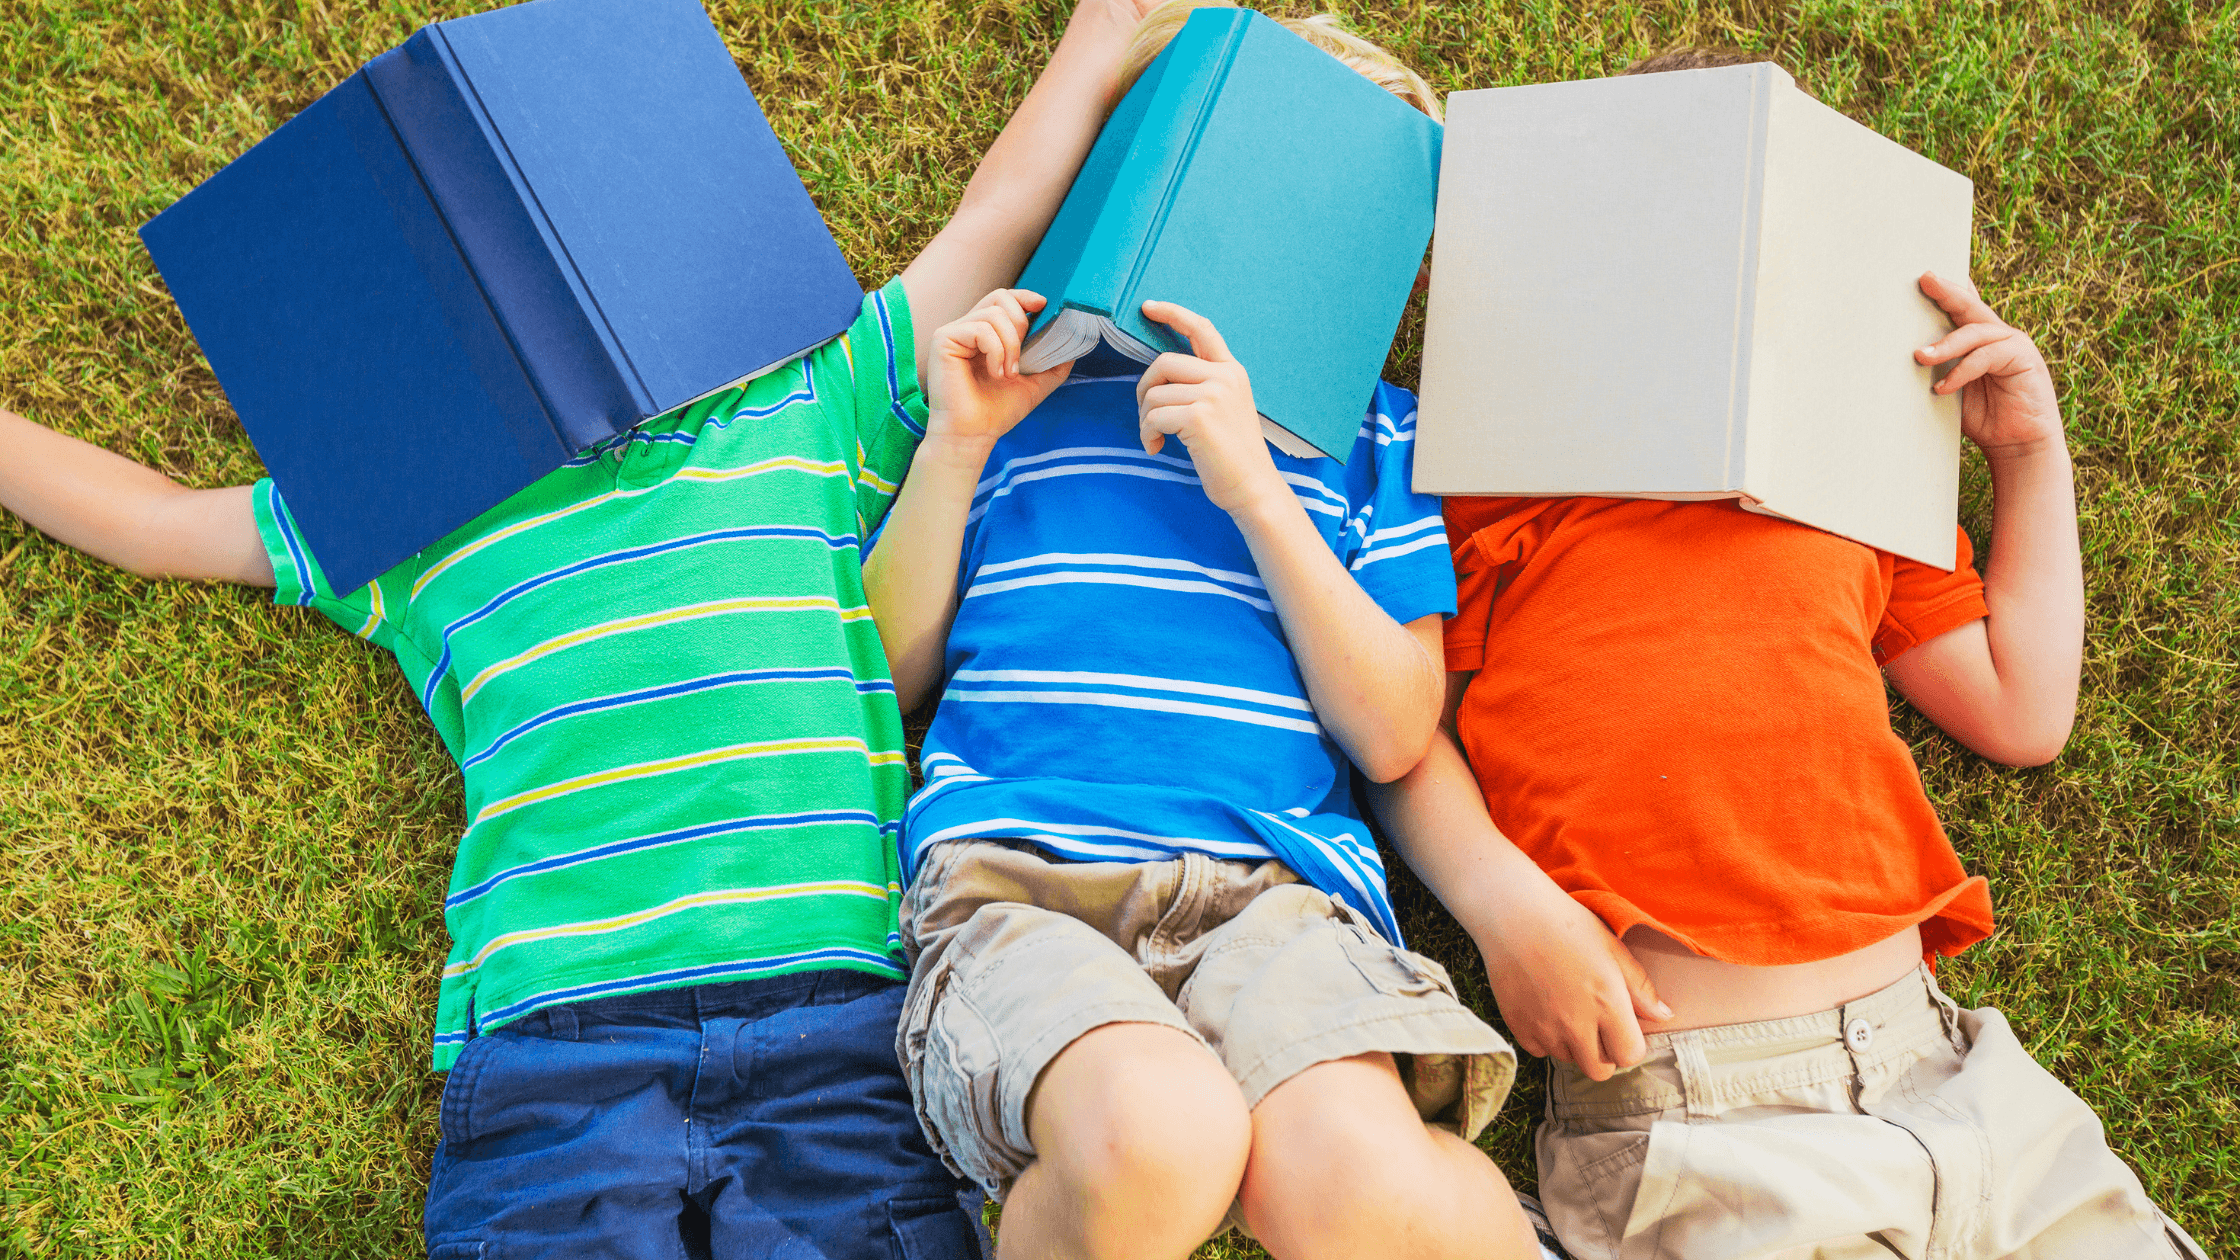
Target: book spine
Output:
[(1747, 454), (443, 263), (1130, 316), (589, 389), (1120, 245)]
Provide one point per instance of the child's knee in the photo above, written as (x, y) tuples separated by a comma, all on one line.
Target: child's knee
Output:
[(1340, 1156), (1142, 1106)]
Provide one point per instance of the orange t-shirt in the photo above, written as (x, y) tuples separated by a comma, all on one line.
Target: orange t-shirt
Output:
[(1679, 713)]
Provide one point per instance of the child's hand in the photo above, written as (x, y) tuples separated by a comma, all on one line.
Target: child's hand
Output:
[(2007, 403), (1205, 398), (1567, 988), (974, 393)]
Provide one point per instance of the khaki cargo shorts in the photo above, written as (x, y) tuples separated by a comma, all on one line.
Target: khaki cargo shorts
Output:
[(1896, 1125), (1015, 955)]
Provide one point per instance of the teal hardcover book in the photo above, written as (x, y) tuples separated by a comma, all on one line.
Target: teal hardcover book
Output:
[(1259, 181)]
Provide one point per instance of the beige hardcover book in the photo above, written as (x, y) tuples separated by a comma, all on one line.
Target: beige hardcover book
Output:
[(1692, 285)]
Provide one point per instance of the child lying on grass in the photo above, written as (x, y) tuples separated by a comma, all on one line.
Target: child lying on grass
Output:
[(1127, 1018), (669, 1009), (1676, 713)]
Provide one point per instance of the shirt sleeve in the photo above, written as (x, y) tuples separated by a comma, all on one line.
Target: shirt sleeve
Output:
[(1492, 539), (374, 612), (1395, 542), (867, 380), (1926, 601)]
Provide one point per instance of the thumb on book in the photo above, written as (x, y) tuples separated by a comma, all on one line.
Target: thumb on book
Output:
[(1205, 341)]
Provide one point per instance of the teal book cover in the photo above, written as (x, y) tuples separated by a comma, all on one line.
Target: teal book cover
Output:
[(1260, 181)]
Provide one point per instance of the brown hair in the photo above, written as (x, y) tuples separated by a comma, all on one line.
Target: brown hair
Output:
[(1324, 31), (1694, 57)]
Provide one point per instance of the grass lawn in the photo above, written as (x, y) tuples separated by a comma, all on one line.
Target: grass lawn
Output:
[(225, 829)]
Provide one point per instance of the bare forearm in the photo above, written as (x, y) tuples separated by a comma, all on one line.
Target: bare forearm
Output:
[(126, 513), (1436, 817), (910, 578), (2034, 585), (1019, 184), (1374, 684)]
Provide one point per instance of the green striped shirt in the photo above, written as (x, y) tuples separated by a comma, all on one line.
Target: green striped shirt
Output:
[(662, 683)]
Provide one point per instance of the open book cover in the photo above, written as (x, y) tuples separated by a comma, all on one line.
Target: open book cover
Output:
[(1691, 285), (513, 236), (1264, 184)]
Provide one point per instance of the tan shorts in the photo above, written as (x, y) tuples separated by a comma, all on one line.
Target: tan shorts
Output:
[(1016, 955), (1894, 1125)]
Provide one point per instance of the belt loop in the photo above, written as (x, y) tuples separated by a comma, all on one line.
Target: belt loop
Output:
[(1948, 1011), (564, 1022), (1695, 1075)]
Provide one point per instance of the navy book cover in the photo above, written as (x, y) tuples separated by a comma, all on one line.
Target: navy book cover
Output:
[(517, 234)]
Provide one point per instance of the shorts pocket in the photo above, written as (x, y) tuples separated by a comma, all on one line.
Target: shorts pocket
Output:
[(961, 1096), (1588, 1185), (932, 1229), (464, 1251), (455, 1113), (1389, 969)]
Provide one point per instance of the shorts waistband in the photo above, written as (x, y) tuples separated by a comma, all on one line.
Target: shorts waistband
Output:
[(692, 1003), (1700, 1068)]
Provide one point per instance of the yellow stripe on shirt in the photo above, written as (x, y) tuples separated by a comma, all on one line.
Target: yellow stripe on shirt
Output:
[(373, 612), (621, 922), (644, 621), (689, 761), (821, 468)]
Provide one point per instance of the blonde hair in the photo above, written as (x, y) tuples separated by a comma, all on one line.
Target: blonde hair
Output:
[(1694, 57), (1324, 31)]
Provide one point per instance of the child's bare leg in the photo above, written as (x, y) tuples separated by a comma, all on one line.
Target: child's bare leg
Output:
[(1140, 1137), (1342, 1166)]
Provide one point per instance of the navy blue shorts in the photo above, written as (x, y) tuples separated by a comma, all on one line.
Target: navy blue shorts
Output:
[(762, 1118)]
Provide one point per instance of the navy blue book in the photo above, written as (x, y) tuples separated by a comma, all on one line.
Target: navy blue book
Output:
[(516, 235), (1263, 183)]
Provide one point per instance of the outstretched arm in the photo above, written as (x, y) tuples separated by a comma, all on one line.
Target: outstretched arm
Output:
[(1566, 986), (125, 513), (2007, 686), (1019, 184)]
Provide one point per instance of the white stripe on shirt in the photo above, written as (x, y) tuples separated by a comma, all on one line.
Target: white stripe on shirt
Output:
[(1147, 683), (1114, 700), (1115, 579)]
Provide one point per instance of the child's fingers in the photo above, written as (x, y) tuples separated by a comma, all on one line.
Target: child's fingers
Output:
[(1010, 324), (1168, 394), (1165, 420), (1958, 342), (1173, 369), (1050, 378), (1646, 1003), (1983, 361), (1007, 302), (1205, 341), (1153, 426), (1957, 299), (977, 339), (1622, 1044)]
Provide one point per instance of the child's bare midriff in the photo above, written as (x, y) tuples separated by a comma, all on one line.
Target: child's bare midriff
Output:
[(1706, 992)]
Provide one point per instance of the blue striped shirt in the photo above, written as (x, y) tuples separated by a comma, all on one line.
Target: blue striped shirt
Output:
[(1118, 685)]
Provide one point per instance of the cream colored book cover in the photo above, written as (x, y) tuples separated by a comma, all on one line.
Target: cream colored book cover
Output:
[(1692, 285)]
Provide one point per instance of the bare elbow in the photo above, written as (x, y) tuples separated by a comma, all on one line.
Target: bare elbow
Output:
[(2025, 755), (1394, 757), (2026, 748)]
